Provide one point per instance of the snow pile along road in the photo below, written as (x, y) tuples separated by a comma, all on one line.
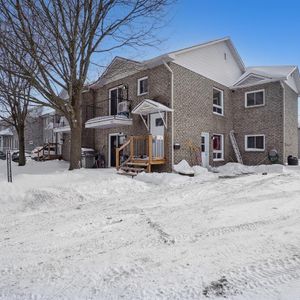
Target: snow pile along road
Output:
[(93, 234)]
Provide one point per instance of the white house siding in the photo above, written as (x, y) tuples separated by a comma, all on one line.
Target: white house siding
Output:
[(210, 62)]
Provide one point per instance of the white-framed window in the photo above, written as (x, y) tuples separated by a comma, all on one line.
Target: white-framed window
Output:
[(255, 142), (218, 147), (115, 96), (255, 98), (218, 102), (142, 86)]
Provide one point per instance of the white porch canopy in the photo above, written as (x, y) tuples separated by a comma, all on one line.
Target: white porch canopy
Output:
[(150, 107), (108, 122), (6, 132), (62, 129)]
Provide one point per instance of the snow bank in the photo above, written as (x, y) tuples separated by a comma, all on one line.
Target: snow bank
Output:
[(166, 179), (184, 168), (198, 170), (239, 169)]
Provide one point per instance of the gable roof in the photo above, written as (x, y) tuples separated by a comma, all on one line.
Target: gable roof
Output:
[(236, 76), (228, 42), (119, 67), (265, 74), (112, 72)]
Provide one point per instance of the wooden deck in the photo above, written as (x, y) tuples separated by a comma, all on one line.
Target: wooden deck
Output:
[(138, 151)]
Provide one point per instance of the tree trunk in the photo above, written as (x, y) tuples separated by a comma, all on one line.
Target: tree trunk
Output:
[(21, 136), (76, 132)]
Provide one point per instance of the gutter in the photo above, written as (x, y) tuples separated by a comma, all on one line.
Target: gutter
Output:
[(284, 154), (172, 114)]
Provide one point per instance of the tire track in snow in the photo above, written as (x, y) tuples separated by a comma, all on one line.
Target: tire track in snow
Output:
[(218, 231), (266, 275)]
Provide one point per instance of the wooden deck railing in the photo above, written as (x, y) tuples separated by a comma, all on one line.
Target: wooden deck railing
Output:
[(46, 147), (136, 148)]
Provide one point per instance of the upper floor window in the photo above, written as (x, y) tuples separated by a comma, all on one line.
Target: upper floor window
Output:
[(255, 98), (142, 86), (115, 96), (218, 102), (218, 147), (255, 142)]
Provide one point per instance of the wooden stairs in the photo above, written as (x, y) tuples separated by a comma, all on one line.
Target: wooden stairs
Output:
[(139, 150), (45, 152), (133, 168)]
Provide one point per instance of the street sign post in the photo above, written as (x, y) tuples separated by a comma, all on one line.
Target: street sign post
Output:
[(8, 160)]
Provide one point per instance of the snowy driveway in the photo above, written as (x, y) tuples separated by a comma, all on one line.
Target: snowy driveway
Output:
[(92, 234)]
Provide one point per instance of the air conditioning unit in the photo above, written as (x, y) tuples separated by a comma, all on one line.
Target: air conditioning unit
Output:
[(123, 107)]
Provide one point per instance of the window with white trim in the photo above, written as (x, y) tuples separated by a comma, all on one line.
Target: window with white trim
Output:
[(218, 147), (142, 86), (115, 97), (255, 98), (255, 142), (218, 102)]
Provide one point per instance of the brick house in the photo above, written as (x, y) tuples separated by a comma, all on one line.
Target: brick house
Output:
[(186, 104)]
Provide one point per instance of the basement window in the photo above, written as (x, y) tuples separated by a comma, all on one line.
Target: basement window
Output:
[(255, 98), (218, 147), (218, 103), (255, 142)]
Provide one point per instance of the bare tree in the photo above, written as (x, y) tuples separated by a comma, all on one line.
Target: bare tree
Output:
[(61, 36), (14, 100)]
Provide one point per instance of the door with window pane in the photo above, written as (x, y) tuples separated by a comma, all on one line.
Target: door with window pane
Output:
[(205, 149)]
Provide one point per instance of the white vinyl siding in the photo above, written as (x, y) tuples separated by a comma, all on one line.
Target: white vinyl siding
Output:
[(218, 102), (255, 142), (255, 98), (218, 147)]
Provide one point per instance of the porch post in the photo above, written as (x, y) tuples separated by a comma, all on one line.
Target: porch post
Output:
[(131, 147)]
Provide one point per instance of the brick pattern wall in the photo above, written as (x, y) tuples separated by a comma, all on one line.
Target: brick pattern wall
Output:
[(193, 109), (291, 122), (159, 90), (88, 112), (267, 120)]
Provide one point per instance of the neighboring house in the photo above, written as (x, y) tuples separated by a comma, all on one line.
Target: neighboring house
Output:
[(8, 138), (39, 130), (184, 104)]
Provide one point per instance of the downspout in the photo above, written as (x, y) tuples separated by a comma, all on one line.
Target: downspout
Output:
[(283, 153), (172, 113)]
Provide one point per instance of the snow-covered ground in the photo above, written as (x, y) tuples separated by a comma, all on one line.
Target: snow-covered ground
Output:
[(93, 234)]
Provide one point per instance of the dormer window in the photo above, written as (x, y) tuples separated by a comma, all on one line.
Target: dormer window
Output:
[(255, 98), (142, 86)]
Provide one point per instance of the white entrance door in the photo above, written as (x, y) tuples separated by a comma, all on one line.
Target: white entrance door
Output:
[(157, 124), (205, 149), (157, 129)]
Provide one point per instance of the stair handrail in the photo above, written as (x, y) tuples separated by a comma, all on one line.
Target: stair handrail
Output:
[(120, 149), (47, 145)]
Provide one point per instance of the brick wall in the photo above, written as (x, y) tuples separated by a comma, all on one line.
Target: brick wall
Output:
[(291, 122), (159, 90), (267, 120), (193, 114)]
